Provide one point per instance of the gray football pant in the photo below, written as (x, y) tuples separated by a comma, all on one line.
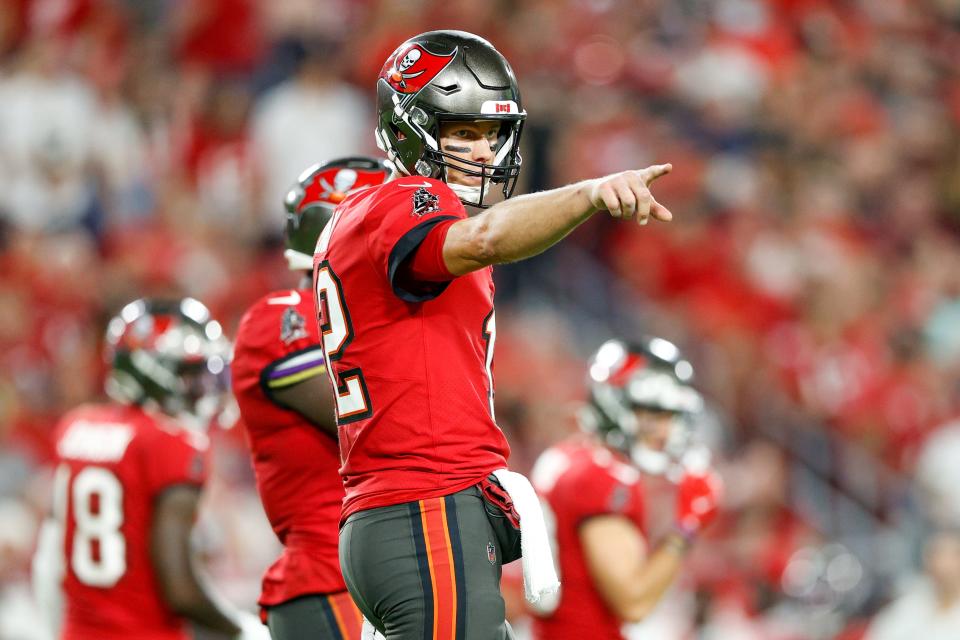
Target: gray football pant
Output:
[(431, 568), (315, 617)]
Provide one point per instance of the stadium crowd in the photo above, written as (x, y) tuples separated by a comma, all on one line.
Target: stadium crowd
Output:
[(812, 274)]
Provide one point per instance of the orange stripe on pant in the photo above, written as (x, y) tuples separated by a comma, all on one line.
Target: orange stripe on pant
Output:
[(348, 616), (436, 538)]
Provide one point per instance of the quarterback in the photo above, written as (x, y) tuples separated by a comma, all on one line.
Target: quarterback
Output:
[(279, 380), (128, 484), (637, 420), (404, 289)]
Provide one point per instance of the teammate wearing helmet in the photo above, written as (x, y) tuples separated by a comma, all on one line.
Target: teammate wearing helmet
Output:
[(636, 422), (129, 481), (279, 380), (404, 287)]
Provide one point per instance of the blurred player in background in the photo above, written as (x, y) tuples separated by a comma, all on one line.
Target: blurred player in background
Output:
[(405, 294), (128, 485), (279, 380), (591, 483)]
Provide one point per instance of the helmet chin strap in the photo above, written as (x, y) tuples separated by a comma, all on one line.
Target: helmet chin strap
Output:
[(191, 421), (297, 261), (469, 195), (651, 461), (696, 459)]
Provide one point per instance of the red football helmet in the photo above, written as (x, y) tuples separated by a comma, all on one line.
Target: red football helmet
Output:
[(319, 189), (170, 355)]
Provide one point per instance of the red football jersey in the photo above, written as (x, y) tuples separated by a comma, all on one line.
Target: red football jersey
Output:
[(278, 345), (115, 461), (411, 367), (578, 479)]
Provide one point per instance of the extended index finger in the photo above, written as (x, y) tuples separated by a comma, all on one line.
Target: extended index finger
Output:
[(660, 212), (653, 172)]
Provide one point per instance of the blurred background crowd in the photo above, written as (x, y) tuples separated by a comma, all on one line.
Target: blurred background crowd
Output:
[(812, 273)]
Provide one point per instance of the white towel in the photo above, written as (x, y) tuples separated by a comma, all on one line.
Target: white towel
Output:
[(369, 632), (539, 573)]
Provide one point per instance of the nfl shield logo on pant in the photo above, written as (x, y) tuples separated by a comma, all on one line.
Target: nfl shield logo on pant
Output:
[(491, 553)]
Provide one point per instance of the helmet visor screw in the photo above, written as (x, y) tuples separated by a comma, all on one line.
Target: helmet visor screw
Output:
[(419, 116)]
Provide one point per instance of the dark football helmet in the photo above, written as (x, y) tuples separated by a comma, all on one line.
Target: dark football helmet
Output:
[(310, 202), (442, 76), (169, 355), (651, 375)]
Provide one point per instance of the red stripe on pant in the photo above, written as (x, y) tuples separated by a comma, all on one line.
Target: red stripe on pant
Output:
[(433, 513), (348, 616)]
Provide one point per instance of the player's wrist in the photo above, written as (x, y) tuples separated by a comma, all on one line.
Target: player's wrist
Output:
[(587, 197), (678, 542), (680, 539)]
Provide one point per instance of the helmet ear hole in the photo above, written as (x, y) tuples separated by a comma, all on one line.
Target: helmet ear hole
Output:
[(397, 133)]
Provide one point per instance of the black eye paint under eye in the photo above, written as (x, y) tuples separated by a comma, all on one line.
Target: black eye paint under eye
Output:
[(456, 149)]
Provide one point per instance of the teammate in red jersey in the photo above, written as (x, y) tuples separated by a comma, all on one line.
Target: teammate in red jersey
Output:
[(404, 287), (129, 481), (591, 485), (279, 380)]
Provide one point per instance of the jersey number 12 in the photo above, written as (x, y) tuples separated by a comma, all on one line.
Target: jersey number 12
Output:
[(352, 397)]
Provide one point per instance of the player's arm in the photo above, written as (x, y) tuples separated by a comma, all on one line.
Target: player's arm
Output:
[(299, 382), (524, 226), (47, 571), (183, 586), (630, 581), (48, 565), (312, 399)]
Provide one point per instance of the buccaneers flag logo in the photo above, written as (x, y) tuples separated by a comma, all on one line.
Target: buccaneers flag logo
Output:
[(335, 184), (412, 67)]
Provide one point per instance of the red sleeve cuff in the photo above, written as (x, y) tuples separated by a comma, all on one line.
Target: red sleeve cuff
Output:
[(416, 270), (427, 264)]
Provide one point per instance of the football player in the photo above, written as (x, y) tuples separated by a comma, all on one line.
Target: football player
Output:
[(404, 286), (637, 420), (279, 380), (129, 482)]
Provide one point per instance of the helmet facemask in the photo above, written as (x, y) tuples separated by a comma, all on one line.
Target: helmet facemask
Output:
[(661, 457), (504, 170), (202, 392)]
